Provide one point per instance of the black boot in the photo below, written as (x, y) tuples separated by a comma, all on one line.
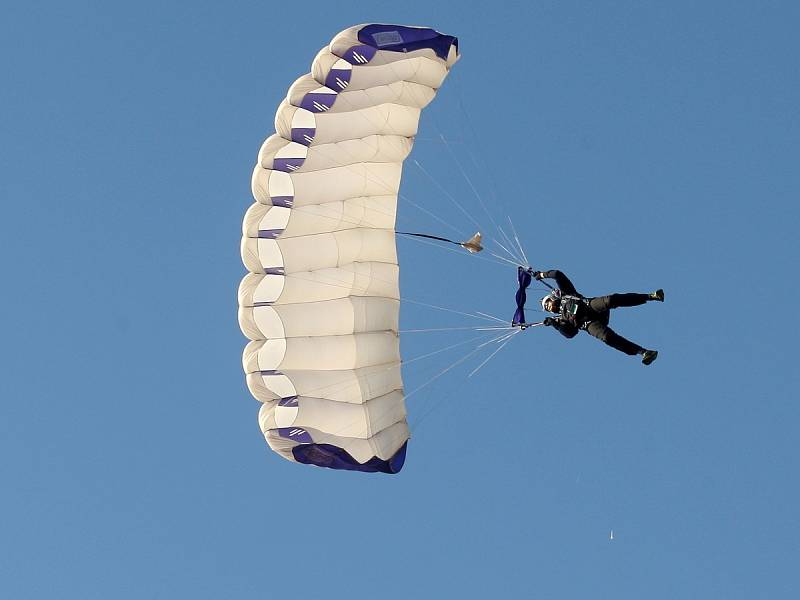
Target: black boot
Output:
[(658, 296), (649, 356)]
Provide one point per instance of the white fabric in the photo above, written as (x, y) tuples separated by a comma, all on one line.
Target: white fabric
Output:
[(321, 301)]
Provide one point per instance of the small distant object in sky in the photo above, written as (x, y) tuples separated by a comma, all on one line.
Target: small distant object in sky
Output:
[(611, 535)]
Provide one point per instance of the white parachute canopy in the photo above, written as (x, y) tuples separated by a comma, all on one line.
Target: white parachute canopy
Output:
[(321, 302)]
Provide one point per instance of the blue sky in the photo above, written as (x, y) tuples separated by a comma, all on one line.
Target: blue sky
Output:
[(636, 145)]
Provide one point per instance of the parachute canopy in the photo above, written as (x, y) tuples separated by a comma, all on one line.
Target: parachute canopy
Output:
[(320, 303)]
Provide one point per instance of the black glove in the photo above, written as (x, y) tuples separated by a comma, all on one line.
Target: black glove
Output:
[(538, 275), (548, 321)]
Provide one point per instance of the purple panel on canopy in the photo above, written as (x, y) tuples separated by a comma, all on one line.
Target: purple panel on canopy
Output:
[(338, 79), (303, 135), (359, 55), (316, 102), (287, 164), (274, 271), (289, 401), (296, 434), (282, 201), (398, 38), (333, 457), (269, 234)]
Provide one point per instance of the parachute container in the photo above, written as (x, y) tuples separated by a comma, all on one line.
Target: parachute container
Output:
[(321, 301)]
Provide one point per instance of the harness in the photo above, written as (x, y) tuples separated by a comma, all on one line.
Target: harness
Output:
[(574, 310)]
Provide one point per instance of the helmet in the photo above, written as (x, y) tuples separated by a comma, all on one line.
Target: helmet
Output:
[(555, 296)]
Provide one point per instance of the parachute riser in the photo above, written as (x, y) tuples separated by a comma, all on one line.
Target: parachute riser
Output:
[(531, 271), (547, 284), (524, 326)]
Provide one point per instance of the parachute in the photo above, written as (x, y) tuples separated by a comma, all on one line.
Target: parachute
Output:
[(320, 303)]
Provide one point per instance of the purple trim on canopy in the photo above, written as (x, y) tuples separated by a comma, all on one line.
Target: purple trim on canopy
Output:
[(398, 38), (296, 434), (282, 201), (269, 372), (317, 102), (289, 401), (257, 304), (333, 457), (303, 135), (274, 271), (269, 234), (360, 55), (287, 164), (338, 79)]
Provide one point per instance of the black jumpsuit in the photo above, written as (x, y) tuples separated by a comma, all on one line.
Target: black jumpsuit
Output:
[(596, 315)]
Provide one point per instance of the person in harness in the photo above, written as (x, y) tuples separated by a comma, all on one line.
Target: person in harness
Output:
[(574, 311)]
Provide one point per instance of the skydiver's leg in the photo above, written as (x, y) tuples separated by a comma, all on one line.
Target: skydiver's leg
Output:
[(604, 303), (605, 334)]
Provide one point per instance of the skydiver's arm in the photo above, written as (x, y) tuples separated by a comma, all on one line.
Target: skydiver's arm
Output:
[(562, 281), (564, 328)]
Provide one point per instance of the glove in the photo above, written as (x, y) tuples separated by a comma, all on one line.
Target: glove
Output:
[(538, 275), (548, 322)]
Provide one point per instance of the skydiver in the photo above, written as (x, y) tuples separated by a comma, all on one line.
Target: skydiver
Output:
[(575, 312)]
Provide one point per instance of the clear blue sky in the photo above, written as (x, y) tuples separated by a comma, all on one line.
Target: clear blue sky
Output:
[(637, 145)]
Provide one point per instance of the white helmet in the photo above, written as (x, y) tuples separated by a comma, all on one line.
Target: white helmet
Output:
[(555, 296)]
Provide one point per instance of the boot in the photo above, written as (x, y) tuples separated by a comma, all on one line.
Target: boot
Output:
[(649, 356), (658, 296)]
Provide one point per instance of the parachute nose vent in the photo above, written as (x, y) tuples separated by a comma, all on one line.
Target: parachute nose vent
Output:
[(473, 244)]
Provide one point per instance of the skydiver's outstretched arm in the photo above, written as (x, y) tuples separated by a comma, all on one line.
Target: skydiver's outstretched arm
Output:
[(564, 328), (563, 282)]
